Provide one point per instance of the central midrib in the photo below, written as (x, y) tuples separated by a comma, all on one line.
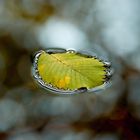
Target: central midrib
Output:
[(71, 67)]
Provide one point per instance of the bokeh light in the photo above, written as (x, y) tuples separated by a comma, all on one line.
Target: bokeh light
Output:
[(108, 29)]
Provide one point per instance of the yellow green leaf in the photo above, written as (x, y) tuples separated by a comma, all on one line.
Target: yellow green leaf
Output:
[(70, 71)]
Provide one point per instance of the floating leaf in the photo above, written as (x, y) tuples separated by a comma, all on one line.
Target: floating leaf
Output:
[(70, 70)]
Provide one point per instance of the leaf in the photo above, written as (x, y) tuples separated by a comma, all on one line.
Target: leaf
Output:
[(70, 71)]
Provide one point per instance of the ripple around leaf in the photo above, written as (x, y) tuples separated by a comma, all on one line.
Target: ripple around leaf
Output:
[(69, 71)]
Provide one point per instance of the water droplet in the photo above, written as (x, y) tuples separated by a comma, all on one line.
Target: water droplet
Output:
[(107, 64), (71, 51)]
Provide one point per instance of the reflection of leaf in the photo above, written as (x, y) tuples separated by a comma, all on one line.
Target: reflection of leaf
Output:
[(70, 70)]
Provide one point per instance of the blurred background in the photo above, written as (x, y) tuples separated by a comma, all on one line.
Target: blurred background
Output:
[(110, 29)]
